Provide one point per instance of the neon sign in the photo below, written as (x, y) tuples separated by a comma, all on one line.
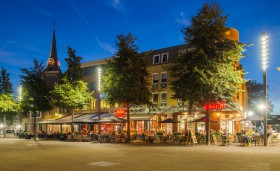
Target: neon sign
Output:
[(213, 106), (120, 112)]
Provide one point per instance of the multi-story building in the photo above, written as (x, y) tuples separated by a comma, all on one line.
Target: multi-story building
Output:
[(148, 118)]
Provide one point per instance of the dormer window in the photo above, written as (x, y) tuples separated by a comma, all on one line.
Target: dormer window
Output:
[(156, 59), (164, 58)]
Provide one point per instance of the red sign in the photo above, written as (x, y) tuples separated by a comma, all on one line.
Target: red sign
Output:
[(120, 112), (213, 106)]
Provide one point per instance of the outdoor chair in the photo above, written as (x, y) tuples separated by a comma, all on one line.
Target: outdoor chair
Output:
[(256, 140), (225, 139), (94, 138), (69, 137), (85, 138)]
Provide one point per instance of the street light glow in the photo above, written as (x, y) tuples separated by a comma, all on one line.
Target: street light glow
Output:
[(264, 51), (99, 79)]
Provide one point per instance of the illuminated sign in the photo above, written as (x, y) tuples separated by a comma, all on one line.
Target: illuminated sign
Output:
[(213, 106), (120, 112)]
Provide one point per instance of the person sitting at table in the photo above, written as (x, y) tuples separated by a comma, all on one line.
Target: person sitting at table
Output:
[(246, 138), (151, 137)]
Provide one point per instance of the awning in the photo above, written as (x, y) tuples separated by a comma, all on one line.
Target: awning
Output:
[(232, 119), (63, 120), (140, 117), (86, 118)]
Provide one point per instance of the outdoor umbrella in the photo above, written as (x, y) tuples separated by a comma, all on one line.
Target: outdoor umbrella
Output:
[(203, 119), (169, 120)]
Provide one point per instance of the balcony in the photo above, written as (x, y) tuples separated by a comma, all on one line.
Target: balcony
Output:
[(163, 85), (155, 86)]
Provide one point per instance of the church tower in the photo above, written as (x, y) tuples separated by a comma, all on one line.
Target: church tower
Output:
[(52, 70)]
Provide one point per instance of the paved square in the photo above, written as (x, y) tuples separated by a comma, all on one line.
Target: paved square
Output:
[(29, 155)]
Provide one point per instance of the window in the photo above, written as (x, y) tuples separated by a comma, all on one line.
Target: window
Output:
[(92, 86), (164, 77), (88, 70), (164, 58), (156, 59), (155, 98), (163, 97), (155, 78)]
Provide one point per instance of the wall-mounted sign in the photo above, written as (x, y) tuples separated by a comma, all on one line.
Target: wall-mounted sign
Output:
[(213, 106), (120, 112)]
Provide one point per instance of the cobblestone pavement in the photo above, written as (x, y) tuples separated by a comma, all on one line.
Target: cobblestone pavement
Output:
[(29, 155)]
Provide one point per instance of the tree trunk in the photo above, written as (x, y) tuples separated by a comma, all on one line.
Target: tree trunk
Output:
[(34, 125), (72, 125), (4, 125), (128, 123), (207, 127)]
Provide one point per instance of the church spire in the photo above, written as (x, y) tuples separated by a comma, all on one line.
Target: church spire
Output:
[(53, 63)]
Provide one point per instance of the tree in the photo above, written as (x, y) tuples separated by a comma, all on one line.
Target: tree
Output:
[(71, 95), (207, 72), (74, 70), (256, 92), (6, 86), (35, 91), (125, 77), (7, 103)]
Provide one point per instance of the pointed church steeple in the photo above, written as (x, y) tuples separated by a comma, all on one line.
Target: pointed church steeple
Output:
[(52, 71), (53, 62)]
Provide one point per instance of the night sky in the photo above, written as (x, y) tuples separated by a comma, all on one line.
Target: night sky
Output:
[(91, 27)]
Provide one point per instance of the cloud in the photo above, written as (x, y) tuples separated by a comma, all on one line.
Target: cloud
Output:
[(37, 8), (10, 58), (182, 19), (116, 4), (104, 46)]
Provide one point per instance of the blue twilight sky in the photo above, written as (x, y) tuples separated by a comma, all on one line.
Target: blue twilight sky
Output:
[(91, 27)]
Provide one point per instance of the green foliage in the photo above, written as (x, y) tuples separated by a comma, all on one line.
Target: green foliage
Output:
[(125, 77), (256, 93), (74, 70), (206, 71), (7, 103), (6, 86), (35, 92), (8, 106), (70, 95)]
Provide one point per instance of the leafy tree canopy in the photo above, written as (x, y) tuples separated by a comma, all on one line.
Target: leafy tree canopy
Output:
[(6, 86), (207, 70), (70, 95), (74, 71), (35, 94), (256, 94), (125, 76)]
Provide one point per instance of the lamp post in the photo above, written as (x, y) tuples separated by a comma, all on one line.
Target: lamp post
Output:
[(98, 97), (264, 63), (20, 99)]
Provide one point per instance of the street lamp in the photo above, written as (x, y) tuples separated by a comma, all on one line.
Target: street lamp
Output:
[(264, 64)]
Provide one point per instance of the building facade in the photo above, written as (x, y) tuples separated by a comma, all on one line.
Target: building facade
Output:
[(164, 107)]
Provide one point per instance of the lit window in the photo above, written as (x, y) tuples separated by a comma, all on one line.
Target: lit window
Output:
[(164, 58), (156, 59)]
